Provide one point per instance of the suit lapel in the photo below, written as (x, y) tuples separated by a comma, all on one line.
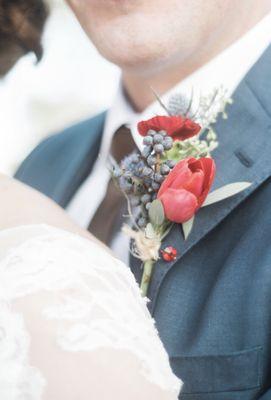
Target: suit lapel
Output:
[(243, 155), (80, 159)]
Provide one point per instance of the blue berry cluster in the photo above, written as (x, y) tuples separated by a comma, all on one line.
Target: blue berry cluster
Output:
[(141, 175)]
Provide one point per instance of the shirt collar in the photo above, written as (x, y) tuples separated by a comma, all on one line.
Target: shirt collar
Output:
[(227, 69)]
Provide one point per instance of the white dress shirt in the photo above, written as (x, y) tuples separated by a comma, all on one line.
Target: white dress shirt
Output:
[(227, 69)]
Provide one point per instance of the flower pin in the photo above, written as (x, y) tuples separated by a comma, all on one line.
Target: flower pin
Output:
[(169, 254), (171, 179)]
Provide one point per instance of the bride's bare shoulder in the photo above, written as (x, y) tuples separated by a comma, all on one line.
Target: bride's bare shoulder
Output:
[(22, 205)]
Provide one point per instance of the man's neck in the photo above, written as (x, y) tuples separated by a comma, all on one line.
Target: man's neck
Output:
[(137, 87)]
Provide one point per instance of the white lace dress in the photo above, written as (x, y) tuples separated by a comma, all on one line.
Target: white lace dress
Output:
[(73, 325)]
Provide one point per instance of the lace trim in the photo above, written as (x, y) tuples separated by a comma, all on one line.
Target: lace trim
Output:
[(97, 300), (18, 380)]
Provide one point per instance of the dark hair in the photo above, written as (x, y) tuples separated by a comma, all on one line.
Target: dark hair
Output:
[(21, 27)]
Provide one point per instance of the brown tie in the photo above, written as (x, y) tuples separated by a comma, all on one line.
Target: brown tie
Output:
[(108, 217)]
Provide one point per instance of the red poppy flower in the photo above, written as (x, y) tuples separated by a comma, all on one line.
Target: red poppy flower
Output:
[(177, 127)]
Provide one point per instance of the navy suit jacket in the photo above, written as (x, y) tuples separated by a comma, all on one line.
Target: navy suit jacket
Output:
[(212, 306)]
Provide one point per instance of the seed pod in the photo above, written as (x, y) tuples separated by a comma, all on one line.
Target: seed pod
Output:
[(147, 171), (151, 160), (168, 139), (134, 158), (155, 186), (146, 151), (158, 148), (148, 140), (158, 178), (158, 138), (127, 175), (147, 181), (125, 185), (145, 198), (135, 201), (168, 143), (171, 163), (164, 169)]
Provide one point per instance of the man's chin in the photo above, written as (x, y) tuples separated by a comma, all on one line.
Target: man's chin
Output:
[(133, 50), (105, 10), (118, 5), (141, 63)]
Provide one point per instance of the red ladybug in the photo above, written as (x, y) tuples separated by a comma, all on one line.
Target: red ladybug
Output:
[(169, 254)]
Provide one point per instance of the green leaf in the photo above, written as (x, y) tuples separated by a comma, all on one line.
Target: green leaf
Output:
[(187, 227), (149, 231), (225, 192), (174, 153), (156, 213)]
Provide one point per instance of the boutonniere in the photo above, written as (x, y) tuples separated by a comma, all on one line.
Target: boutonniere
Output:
[(170, 180)]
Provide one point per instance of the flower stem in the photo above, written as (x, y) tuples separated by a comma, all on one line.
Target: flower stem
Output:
[(146, 278), (158, 162)]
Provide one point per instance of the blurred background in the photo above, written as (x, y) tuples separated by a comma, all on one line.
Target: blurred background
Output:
[(72, 82)]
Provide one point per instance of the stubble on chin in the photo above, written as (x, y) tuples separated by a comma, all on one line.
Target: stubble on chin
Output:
[(135, 43)]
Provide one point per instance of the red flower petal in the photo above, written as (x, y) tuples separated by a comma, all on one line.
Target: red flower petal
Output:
[(177, 127), (196, 183), (180, 172), (186, 187), (179, 205), (209, 169)]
